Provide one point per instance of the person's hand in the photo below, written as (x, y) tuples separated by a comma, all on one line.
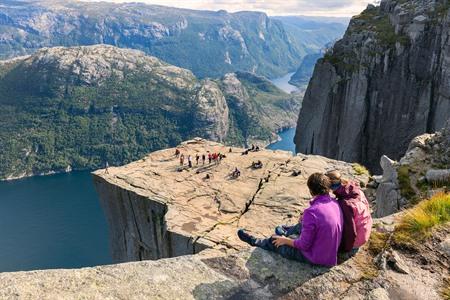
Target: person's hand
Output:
[(280, 240)]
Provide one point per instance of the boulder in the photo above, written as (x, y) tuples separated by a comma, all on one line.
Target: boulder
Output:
[(438, 176)]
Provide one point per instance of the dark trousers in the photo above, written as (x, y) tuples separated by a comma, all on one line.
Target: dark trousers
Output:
[(285, 251)]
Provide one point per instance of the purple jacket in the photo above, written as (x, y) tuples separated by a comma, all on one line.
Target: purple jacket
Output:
[(321, 232)]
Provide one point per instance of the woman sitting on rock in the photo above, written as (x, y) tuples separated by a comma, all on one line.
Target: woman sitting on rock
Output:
[(320, 229), (356, 211)]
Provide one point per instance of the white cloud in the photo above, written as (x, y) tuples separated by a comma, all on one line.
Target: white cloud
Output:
[(271, 7)]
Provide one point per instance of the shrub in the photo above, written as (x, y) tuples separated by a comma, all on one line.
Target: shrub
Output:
[(404, 182), (417, 223), (360, 169), (377, 242)]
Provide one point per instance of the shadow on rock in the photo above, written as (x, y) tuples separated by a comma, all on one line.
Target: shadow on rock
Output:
[(257, 274)]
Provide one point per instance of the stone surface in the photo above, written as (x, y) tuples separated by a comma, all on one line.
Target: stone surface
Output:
[(155, 208), (445, 246), (427, 161), (249, 274), (436, 176), (385, 82)]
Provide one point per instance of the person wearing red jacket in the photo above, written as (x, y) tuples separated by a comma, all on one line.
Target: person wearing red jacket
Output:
[(356, 211)]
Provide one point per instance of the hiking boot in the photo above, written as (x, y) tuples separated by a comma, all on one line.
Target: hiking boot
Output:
[(279, 230), (245, 237)]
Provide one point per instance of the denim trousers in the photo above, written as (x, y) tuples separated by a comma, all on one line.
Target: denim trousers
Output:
[(284, 251)]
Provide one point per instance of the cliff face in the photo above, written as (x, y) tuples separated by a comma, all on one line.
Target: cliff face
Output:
[(157, 209), (384, 83), (73, 108)]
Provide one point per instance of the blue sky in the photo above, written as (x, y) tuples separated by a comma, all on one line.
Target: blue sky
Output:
[(336, 8)]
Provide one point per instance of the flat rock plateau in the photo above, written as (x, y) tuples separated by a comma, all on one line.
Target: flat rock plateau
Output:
[(173, 234), (156, 208)]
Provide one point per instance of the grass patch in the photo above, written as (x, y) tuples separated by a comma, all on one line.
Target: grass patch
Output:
[(417, 223), (377, 242), (360, 169), (404, 182), (381, 26)]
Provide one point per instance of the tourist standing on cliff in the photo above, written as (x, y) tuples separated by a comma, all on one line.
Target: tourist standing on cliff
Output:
[(197, 157), (203, 158), (320, 229), (181, 159), (356, 211), (190, 161), (209, 157)]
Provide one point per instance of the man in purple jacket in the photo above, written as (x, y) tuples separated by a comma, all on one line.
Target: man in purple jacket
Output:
[(320, 230)]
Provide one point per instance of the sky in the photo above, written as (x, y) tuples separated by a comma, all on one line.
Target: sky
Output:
[(336, 8)]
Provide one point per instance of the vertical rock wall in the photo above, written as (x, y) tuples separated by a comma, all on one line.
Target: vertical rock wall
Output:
[(137, 226), (385, 82)]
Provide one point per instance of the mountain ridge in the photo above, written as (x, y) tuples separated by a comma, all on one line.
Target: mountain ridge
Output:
[(210, 43), (76, 108)]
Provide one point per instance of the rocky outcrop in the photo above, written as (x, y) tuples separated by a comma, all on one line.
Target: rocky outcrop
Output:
[(384, 83), (156, 208), (80, 106), (255, 274), (423, 171)]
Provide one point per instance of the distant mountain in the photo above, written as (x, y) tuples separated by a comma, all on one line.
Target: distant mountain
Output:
[(314, 32), (209, 43), (65, 108)]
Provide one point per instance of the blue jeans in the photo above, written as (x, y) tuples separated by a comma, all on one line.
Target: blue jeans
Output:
[(284, 251)]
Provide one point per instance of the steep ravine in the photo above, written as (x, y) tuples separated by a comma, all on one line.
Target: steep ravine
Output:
[(385, 82)]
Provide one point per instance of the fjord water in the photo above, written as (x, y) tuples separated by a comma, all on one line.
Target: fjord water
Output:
[(286, 141), (51, 222), (56, 221), (283, 83)]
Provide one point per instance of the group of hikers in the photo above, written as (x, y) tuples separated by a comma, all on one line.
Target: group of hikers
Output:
[(253, 148), (212, 157), (338, 220)]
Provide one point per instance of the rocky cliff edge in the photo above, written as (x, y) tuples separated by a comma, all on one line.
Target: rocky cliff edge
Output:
[(157, 208)]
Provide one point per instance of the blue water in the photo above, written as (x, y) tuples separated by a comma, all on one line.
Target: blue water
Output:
[(52, 222), (287, 141), (283, 83)]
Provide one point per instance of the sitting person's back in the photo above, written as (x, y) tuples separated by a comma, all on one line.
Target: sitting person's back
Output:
[(356, 211), (321, 231)]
